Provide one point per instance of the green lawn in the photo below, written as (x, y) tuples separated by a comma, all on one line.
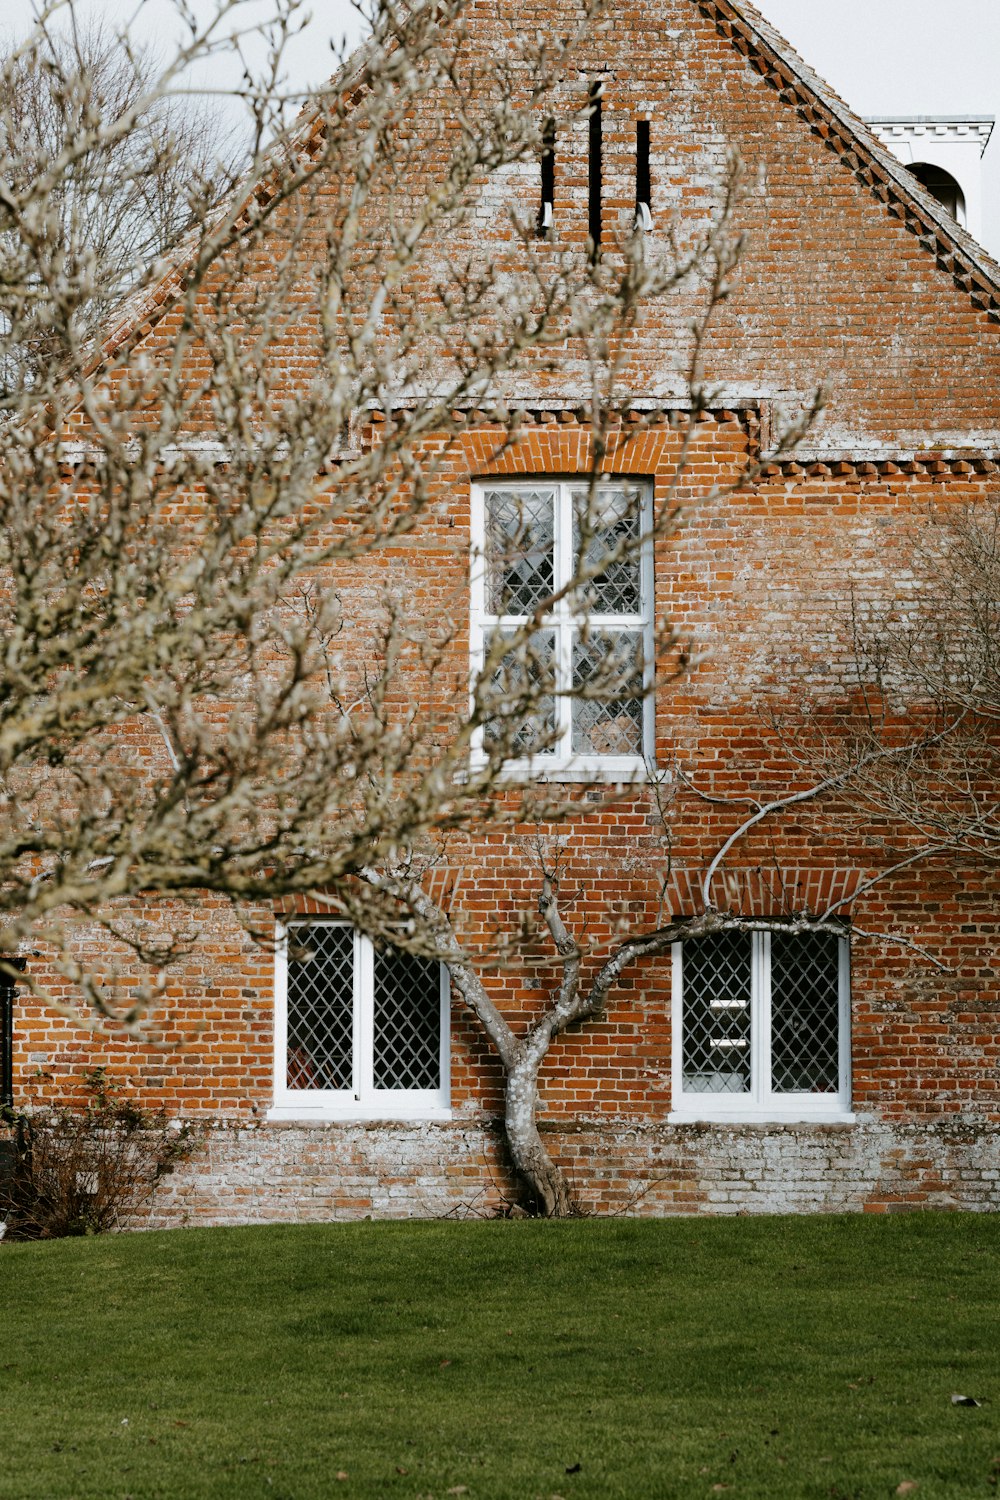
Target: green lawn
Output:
[(774, 1357)]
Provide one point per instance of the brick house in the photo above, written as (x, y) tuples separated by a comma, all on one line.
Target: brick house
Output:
[(754, 1071)]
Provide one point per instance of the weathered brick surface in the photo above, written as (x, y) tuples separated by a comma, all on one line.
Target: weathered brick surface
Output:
[(846, 278), (839, 283), (925, 1042), (634, 1167)]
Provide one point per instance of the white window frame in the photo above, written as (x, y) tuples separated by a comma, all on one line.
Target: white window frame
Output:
[(362, 1101), (565, 764), (761, 1103)]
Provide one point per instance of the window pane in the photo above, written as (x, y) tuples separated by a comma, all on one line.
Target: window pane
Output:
[(615, 516), (716, 1026), (523, 708), (520, 541), (607, 671), (805, 1013), (407, 1021), (320, 1007)]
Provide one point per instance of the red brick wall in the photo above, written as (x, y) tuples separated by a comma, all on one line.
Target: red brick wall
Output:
[(834, 286), (840, 283), (925, 1044)]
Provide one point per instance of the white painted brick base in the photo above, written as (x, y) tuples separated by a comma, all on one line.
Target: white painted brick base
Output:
[(288, 1173)]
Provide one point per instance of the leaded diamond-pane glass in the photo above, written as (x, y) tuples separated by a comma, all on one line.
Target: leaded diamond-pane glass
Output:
[(407, 1014), (320, 1007), (716, 1026), (608, 689), (805, 1013), (524, 716), (601, 523), (520, 544)]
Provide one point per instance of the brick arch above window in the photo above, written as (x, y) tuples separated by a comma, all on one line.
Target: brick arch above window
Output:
[(767, 891), (564, 445)]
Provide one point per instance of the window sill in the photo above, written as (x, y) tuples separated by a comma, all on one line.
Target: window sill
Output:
[(602, 770), (831, 1116), (355, 1113)]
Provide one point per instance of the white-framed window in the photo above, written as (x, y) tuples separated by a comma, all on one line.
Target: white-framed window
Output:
[(360, 1032), (529, 538), (761, 1026)]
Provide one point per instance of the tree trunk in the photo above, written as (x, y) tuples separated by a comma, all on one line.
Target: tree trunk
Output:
[(544, 1179)]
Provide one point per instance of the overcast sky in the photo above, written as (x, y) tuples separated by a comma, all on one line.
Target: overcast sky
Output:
[(896, 57), (883, 56)]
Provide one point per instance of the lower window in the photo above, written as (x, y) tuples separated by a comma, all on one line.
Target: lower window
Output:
[(761, 1026), (360, 1031)]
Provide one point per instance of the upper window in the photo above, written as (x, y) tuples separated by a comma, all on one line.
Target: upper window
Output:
[(359, 1031), (761, 1026), (574, 696)]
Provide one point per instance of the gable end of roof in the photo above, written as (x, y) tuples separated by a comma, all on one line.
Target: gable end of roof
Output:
[(844, 133)]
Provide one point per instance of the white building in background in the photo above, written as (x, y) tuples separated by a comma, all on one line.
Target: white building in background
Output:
[(945, 153)]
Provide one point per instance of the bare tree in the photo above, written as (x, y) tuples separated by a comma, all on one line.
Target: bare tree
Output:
[(588, 960), (916, 732), (896, 750), (218, 673), (103, 172), (191, 696)]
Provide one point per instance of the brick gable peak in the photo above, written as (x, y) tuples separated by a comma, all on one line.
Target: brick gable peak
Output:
[(816, 103)]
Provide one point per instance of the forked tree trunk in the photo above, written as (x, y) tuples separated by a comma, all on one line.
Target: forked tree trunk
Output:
[(544, 1179), (546, 1183)]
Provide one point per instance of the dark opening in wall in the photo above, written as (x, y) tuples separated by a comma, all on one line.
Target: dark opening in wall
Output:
[(594, 174), (546, 209), (643, 186), (942, 186), (6, 1045), (7, 995)]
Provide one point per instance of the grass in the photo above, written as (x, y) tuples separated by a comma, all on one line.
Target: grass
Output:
[(813, 1357)]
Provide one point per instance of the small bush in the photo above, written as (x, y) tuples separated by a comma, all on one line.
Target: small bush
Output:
[(86, 1171)]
